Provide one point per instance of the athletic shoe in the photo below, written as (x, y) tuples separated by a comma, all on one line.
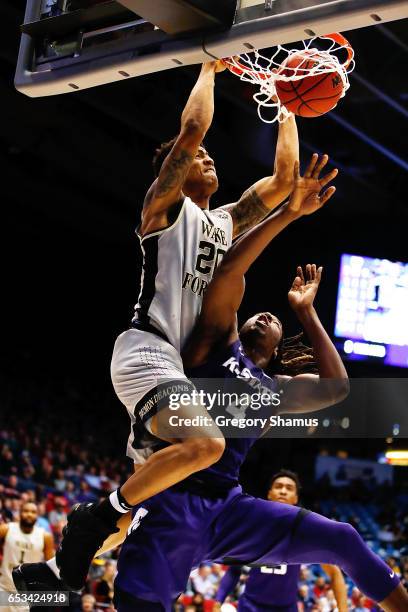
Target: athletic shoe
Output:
[(83, 535), (36, 577)]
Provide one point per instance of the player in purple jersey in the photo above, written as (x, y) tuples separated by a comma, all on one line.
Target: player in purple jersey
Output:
[(207, 517), (210, 519), (274, 589)]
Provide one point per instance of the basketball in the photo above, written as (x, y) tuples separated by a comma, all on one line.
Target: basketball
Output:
[(313, 95)]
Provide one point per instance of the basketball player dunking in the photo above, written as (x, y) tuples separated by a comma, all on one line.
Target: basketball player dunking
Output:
[(182, 243), (23, 542), (207, 518), (274, 589)]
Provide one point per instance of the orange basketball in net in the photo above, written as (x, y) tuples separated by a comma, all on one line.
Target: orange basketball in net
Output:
[(310, 96)]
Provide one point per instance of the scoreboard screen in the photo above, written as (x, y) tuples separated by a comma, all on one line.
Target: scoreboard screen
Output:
[(372, 310)]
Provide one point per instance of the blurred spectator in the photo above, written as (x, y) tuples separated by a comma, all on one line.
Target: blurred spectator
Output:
[(85, 495), (43, 520), (60, 481), (320, 587), (355, 596), (304, 575), (328, 602), (103, 588), (88, 604), (360, 607), (70, 492), (58, 515), (305, 598), (198, 602), (202, 582)]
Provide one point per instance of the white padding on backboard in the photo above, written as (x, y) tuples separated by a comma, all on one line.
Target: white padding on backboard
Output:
[(107, 70), (335, 16)]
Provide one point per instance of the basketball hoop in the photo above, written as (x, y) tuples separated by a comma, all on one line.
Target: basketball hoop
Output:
[(319, 55)]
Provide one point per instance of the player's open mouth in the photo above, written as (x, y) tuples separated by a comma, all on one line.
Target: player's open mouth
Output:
[(264, 320)]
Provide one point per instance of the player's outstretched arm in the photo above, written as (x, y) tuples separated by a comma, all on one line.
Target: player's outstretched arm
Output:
[(338, 585), (310, 392), (307, 197), (195, 121), (218, 321), (267, 193)]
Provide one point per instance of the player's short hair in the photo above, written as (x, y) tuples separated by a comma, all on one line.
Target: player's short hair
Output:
[(286, 474), (160, 155)]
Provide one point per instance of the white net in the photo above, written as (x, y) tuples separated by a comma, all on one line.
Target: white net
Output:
[(319, 55)]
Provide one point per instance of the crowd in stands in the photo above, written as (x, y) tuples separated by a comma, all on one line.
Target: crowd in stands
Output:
[(56, 468)]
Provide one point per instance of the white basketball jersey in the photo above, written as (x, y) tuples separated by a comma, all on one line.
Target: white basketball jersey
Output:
[(20, 547), (178, 264)]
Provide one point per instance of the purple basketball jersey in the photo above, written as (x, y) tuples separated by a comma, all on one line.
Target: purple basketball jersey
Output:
[(266, 588), (273, 586), (231, 365)]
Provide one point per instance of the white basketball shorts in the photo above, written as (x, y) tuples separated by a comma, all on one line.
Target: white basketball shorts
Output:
[(145, 369)]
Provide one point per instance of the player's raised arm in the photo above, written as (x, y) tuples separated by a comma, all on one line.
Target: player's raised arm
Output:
[(310, 392), (267, 193), (217, 321), (227, 585), (196, 119)]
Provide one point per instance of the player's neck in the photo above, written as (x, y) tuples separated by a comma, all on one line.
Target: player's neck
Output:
[(203, 203), (257, 357), (202, 200)]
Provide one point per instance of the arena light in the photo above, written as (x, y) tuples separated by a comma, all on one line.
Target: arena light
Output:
[(397, 457)]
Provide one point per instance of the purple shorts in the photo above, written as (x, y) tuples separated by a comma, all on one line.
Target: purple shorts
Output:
[(175, 531)]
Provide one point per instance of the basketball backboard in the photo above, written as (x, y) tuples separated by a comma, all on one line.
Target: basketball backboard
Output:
[(69, 45)]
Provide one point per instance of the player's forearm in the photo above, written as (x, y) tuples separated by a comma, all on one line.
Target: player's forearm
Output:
[(199, 110), (245, 251), (339, 589), (228, 583), (272, 190), (287, 151), (326, 356)]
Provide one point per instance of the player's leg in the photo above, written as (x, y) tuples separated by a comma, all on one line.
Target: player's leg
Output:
[(139, 367), (318, 536), (146, 373), (194, 448), (267, 533), (165, 540)]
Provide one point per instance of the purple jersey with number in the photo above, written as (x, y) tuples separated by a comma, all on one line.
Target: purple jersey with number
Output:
[(266, 588), (274, 586), (234, 372)]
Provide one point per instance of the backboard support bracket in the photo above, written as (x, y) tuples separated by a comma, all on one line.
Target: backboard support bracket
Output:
[(180, 17)]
